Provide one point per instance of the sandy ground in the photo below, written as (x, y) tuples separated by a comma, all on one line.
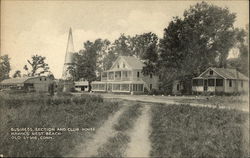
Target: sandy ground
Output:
[(102, 134), (140, 145)]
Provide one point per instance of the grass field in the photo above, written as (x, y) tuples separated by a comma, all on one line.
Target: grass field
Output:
[(39, 110), (185, 131), (173, 130)]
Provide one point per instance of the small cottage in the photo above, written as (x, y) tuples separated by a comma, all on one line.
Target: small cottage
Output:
[(217, 80), (38, 84)]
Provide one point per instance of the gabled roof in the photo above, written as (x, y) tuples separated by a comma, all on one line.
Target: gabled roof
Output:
[(227, 73), (133, 62)]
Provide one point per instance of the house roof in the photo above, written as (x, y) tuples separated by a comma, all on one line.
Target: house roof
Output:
[(15, 80), (227, 73), (18, 80), (131, 61)]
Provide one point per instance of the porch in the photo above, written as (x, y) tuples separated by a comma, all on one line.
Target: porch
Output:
[(122, 75), (208, 84), (125, 86)]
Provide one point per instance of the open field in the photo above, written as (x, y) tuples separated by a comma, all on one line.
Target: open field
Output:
[(124, 127), (37, 111), (186, 131)]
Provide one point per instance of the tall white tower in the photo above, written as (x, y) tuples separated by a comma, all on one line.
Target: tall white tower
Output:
[(68, 57)]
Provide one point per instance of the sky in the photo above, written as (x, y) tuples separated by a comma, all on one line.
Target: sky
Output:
[(41, 27)]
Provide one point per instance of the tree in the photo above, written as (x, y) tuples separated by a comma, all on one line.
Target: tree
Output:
[(201, 39), (109, 59), (17, 74), (145, 47), (85, 62), (37, 66), (4, 67), (241, 62), (122, 46)]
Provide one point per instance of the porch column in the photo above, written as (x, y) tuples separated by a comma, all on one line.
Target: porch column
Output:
[(214, 86)]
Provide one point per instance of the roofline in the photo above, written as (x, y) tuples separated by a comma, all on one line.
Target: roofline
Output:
[(214, 71), (117, 60), (28, 78)]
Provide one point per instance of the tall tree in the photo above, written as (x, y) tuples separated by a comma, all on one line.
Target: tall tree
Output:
[(145, 47), (85, 62), (36, 66), (109, 59), (241, 62), (4, 67), (122, 46), (201, 39), (17, 74)]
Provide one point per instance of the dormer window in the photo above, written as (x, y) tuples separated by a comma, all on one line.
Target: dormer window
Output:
[(211, 72), (118, 66), (123, 65)]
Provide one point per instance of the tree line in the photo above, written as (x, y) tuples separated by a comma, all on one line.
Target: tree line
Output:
[(203, 37)]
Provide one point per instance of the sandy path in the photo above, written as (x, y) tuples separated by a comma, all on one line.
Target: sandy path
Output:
[(102, 134), (140, 144)]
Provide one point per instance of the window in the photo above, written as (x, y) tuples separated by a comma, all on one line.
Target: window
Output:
[(40, 79), (138, 74), (210, 82), (150, 86), (118, 66), (125, 87), (45, 79), (178, 87), (116, 86), (123, 65), (151, 75), (211, 72), (219, 82), (242, 84), (230, 83), (197, 82)]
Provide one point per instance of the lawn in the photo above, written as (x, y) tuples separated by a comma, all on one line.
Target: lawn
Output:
[(40, 110), (186, 131)]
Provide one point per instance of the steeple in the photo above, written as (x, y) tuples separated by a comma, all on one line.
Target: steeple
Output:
[(68, 56)]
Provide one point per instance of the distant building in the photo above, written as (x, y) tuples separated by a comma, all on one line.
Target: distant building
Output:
[(81, 85), (126, 76), (38, 84), (220, 80)]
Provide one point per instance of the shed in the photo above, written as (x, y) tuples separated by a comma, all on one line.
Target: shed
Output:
[(38, 84)]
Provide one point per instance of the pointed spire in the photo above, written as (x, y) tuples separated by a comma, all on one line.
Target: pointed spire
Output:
[(70, 48), (69, 55)]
